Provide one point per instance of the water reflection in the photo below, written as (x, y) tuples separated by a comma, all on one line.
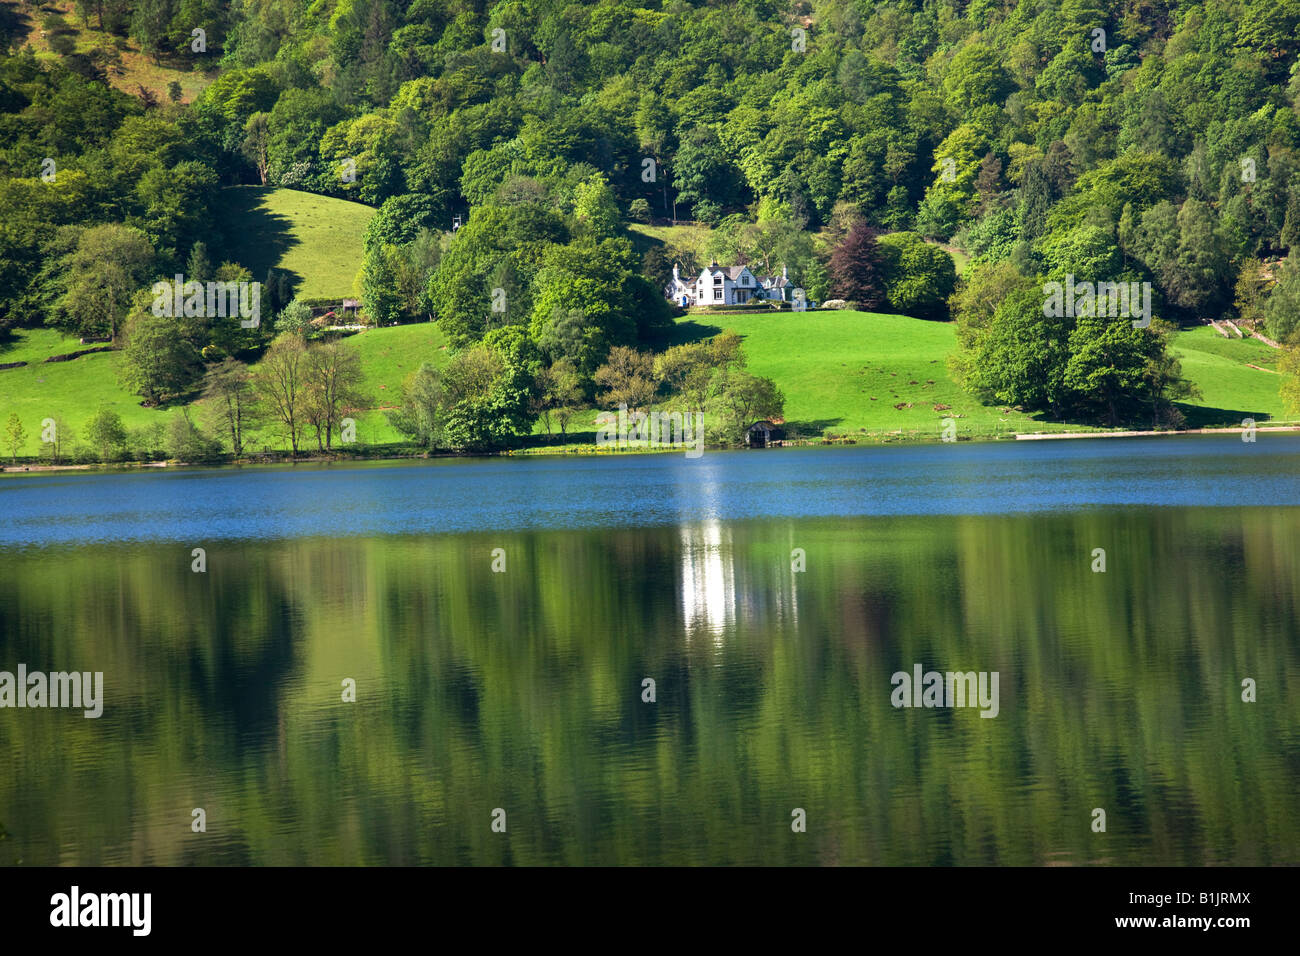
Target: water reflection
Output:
[(708, 579), (523, 690)]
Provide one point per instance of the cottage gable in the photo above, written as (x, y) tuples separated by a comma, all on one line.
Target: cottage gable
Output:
[(777, 287)]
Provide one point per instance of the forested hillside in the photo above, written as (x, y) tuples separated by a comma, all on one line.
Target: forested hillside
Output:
[(1121, 142)]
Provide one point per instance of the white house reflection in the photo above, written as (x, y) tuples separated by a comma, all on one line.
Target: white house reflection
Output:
[(708, 579), (757, 595)]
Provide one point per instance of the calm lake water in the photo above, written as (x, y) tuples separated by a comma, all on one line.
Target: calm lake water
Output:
[(522, 689)]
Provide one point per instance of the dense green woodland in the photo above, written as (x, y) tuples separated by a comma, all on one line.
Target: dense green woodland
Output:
[(1113, 141)]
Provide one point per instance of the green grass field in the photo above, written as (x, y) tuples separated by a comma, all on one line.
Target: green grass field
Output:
[(853, 374), (387, 357), (74, 391), (1230, 388), (70, 392), (845, 372), (315, 238)]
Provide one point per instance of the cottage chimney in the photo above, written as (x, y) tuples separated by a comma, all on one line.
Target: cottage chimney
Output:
[(676, 277), (784, 275)]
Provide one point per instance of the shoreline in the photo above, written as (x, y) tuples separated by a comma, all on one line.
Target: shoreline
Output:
[(1234, 430), (572, 451)]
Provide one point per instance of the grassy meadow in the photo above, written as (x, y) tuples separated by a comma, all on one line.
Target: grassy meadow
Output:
[(1238, 378), (858, 375), (128, 69), (74, 391), (317, 239), (847, 372), (70, 392)]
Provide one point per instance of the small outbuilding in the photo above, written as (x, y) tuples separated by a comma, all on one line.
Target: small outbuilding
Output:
[(764, 434)]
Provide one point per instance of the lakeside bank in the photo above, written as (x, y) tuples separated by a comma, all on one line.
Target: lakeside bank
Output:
[(592, 450)]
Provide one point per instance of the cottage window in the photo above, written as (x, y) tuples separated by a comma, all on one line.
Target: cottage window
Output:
[(717, 293)]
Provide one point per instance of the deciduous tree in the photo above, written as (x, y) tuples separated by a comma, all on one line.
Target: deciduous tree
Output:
[(857, 268), (333, 379), (280, 382), (15, 435), (230, 402)]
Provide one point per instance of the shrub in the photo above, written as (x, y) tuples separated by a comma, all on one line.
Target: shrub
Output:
[(294, 319), (187, 442), (708, 212)]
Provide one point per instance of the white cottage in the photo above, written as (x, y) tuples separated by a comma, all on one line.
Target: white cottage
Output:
[(727, 285), (716, 285)]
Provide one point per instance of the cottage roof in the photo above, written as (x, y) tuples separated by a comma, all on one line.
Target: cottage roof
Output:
[(731, 272)]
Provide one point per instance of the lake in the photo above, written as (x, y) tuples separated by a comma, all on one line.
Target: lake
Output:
[(498, 620)]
